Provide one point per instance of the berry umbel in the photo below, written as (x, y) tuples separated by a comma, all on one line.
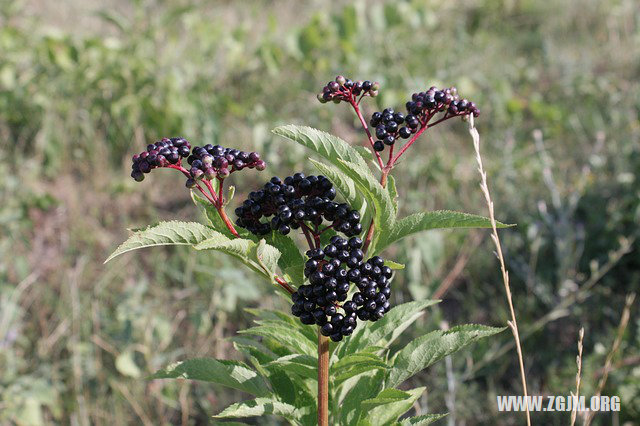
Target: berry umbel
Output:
[(344, 89), (390, 125), (164, 153), (214, 161), (207, 162), (331, 272), (295, 202)]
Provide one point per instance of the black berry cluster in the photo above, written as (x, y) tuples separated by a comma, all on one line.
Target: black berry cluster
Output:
[(163, 153), (390, 125), (211, 161), (294, 201), (344, 89), (331, 271)]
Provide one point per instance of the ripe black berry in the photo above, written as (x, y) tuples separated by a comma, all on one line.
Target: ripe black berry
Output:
[(330, 272), (297, 201), (420, 109), (344, 89)]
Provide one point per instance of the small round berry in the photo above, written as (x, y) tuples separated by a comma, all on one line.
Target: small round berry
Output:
[(307, 318), (316, 254), (389, 140), (327, 329), (336, 337), (404, 132), (350, 307), (378, 146), (376, 118)]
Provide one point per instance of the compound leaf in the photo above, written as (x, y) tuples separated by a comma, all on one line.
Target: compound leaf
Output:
[(165, 234), (233, 374), (430, 348)]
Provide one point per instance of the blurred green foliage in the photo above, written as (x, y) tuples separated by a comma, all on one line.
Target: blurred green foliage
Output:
[(79, 96)]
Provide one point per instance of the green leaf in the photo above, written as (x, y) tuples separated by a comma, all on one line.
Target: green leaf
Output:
[(260, 407), (386, 330), (233, 374), (375, 195), (291, 261), (430, 348), (389, 405), (303, 365), (357, 358), (393, 192), (440, 219), (364, 152), (357, 369), (165, 234), (214, 218), (423, 420), (293, 340), (363, 387), (267, 256), (325, 144), (343, 183), (387, 396), (393, 265)]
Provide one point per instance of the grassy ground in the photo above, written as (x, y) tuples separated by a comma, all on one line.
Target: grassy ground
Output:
[(83, 86)]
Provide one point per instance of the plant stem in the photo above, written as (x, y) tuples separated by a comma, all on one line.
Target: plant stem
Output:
[(227, 221), (323, 379), (356, 108), (372, 227)]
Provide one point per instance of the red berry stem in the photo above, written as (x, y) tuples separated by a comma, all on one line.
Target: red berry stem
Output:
[(356, 109), (424, 127)]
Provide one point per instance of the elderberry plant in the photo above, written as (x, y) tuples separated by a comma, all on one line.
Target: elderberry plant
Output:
[(318, 238)]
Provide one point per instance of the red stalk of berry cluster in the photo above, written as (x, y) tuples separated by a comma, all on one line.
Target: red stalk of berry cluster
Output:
[(392, 126), (207, 163)]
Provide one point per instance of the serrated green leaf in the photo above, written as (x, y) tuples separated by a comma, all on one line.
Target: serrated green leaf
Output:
[(212, 215), (424, 221), (283, 386), (357, 358), (387, 396), (260, 407), (165, 234), (268, 257), (364, 152), (423, 420), (389, 405), (231, 192), (292, 339), (233, 374), (304, 365), (256, 351), (325, 144), (393, 192), (291, 261), (394, 265), (356, 370), (384, 331), (375, 195), (343, 183), (430, 348), (363, 387)]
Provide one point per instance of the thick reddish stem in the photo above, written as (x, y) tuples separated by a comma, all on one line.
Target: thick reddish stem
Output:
[(285, 285), (227, 221)]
